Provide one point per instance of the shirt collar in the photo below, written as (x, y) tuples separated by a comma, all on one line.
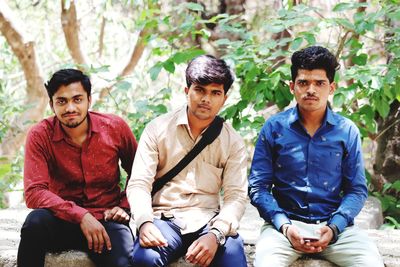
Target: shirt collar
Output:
[(329, 117), (182, 118), (59, 133)]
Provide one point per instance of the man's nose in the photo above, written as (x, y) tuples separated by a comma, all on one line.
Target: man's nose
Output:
[(206, 98), (70, 107), (311, 89)]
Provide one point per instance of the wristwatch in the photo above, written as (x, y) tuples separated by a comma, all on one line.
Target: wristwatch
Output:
[(220, 237)]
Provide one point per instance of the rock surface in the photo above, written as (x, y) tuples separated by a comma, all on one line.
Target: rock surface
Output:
[(370, 218)]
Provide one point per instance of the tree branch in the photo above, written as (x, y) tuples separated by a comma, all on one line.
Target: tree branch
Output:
[(70, 27), (137, 53), (101, 37), (24, 50)]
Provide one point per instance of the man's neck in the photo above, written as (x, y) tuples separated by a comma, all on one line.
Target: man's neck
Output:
[(196, 125), (312, 120), (77, 135)]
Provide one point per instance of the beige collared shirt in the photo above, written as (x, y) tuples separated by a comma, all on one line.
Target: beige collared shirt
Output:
[(193, 195)]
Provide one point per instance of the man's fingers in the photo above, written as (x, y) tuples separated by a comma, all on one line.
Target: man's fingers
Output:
[(106, 239), (95, 243), (89, 240)]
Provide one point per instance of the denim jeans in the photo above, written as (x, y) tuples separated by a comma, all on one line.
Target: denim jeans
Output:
[(43, 232), (231, 254)]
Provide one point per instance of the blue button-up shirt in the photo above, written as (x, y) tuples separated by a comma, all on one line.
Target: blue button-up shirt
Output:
[(318, 178)]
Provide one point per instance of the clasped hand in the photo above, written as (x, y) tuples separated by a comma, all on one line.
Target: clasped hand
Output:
[(201, 252), (302, 245)]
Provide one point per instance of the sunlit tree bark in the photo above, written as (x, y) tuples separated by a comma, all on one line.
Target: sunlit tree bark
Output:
[(24, 50)]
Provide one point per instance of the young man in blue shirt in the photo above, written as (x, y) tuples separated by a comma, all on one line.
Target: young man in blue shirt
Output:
[(307, 177)]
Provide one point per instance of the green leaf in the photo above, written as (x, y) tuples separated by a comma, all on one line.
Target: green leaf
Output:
[(155, 70), (123, 85), (361, 59), (4, 169), (393, 221), (382, 106), (386, 186), (169, 66), (345, 23), (396, 185), (296, 43), (194, 6), (347, 6), (339, 99), (185, 56)]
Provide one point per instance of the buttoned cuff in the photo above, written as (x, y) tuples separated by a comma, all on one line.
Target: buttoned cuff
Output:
[(339, 221), (142, 219), (280, 219)]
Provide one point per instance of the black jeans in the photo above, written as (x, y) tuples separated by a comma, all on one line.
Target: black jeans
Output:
[(43, 232)]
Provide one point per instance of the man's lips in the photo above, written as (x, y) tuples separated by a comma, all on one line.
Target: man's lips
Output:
[(310, 98), (70, 115), (204, 107)]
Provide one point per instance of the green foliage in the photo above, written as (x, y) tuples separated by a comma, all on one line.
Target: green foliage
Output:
[(390, 199), (10, 176)]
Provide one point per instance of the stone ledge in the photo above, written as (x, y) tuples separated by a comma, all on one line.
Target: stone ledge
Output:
[(370, 218)]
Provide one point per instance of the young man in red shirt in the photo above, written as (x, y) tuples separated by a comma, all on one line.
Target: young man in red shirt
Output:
[(71, 179)]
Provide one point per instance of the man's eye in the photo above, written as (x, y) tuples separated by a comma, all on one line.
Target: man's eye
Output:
[(60, 102), (217, 93), (78, 100)]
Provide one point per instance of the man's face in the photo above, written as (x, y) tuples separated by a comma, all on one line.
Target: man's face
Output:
[(312, 89), (205, 101), (71, 104)]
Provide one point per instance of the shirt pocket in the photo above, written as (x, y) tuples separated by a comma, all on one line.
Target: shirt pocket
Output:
[(208, 178), (331, 161)]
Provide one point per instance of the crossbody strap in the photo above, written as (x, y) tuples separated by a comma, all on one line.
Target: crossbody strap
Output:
[(209, 136)]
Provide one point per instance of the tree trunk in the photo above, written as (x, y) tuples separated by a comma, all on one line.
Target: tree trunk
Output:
[(24, 50), (70, 27), (387, 158)]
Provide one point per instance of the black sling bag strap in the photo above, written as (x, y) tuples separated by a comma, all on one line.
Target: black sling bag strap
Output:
[(209, 136)]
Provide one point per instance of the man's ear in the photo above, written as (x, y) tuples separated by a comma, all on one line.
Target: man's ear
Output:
[(332, 88), (90, 100), (51, 105), (291, 86), (186, 90)]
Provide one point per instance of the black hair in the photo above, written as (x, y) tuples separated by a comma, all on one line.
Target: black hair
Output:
[(314, 57), (206, 69), (66, 77)]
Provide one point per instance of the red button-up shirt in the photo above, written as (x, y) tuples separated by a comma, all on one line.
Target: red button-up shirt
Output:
[(71, 180)]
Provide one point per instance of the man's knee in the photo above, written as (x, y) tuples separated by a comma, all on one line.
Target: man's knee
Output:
[(234, 246), (37, 222), (147, 257), (122, 244)]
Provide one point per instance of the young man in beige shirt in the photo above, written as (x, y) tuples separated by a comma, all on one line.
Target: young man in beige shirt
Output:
[(186, 217)]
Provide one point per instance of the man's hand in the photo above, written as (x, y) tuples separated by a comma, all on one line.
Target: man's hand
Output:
[(150, 236), (202, 251), (116, 214), (95, 233), (326, 237), (298, 243)]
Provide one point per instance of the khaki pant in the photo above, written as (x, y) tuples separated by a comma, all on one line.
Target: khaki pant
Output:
[(353, 248)]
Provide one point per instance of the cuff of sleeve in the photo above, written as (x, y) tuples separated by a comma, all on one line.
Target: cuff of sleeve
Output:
[(78, 214), (124, 203), (142, 219), (222, 226), (339, 221), (280, 219)]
